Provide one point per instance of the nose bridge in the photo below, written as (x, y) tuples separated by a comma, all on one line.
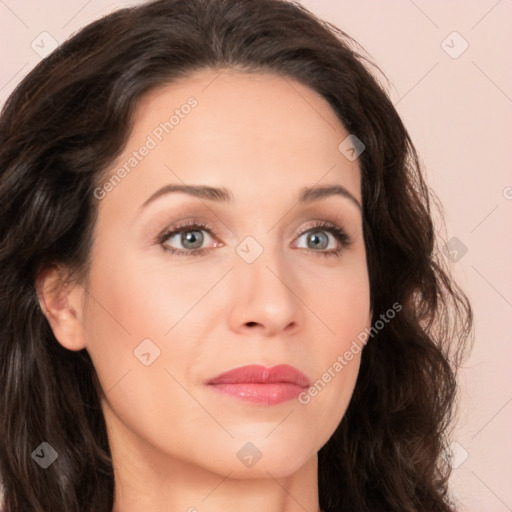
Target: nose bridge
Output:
[(261, 255), (264, 283), (264, 264)]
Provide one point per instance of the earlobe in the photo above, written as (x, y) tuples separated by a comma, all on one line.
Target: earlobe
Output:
[(61, 303)]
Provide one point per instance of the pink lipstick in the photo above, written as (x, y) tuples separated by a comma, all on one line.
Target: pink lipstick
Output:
[(256, 383)]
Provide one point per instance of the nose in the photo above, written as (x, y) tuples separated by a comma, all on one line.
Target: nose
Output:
[(266, 296)]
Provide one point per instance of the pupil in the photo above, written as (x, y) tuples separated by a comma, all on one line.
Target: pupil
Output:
[(191, 237), (315, 237)]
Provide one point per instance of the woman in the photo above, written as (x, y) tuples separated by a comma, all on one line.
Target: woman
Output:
[(300, 354)]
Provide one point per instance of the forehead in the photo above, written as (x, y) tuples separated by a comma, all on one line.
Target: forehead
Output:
[(249, 108), (266, 129)]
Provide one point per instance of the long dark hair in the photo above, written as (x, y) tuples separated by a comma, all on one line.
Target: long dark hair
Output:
[(65, 124)]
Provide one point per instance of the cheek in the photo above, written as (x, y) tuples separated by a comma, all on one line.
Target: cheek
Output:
[(340, 299), (329, 396), (137, 300), (123, 310), (139, 306), (342, 303), (129, 312)]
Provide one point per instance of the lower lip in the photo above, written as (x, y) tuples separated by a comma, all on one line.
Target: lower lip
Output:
[(268, 394)]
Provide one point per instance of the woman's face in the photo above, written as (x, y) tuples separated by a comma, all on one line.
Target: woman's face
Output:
[(259, 284)]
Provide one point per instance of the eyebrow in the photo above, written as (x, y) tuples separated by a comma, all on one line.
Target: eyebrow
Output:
[(223, 195)]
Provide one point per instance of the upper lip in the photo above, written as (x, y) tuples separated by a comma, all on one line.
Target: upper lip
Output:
[(261, 374)]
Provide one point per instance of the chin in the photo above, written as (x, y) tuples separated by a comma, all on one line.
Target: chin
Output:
[(256, 457)]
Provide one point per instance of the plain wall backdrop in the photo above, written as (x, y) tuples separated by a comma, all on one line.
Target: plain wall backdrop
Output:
[(448, 64)]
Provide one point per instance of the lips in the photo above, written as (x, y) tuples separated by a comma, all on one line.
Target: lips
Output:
[(260, 385), (257, 374)]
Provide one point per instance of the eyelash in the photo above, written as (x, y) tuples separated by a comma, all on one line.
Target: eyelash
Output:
[(340, 234)]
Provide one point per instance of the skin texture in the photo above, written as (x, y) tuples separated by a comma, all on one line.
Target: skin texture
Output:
[(174, 440)]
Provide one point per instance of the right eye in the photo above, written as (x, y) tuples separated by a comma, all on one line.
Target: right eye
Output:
[(193, 237)]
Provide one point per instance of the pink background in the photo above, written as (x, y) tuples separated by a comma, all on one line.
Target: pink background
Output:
[(457, 105)]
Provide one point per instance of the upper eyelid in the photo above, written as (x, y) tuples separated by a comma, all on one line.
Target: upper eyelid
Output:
[(200, 226)]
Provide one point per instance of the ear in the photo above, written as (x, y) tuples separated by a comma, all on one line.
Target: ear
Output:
[(62, 305)]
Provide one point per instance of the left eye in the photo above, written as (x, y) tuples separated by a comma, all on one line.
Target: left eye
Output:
[(318, 238)]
